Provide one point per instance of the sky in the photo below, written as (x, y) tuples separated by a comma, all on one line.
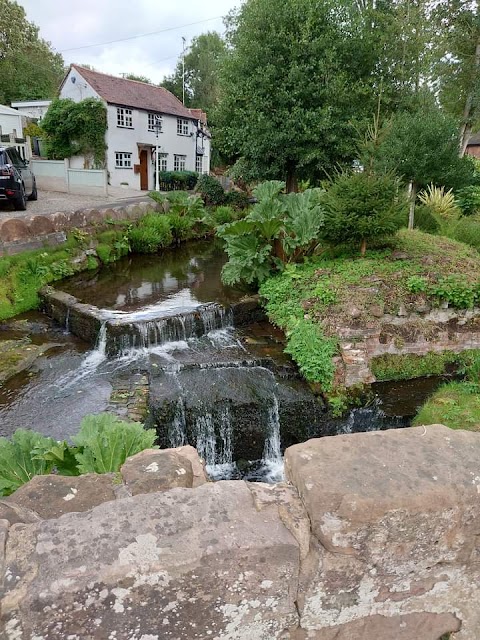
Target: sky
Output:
[(71, 24)]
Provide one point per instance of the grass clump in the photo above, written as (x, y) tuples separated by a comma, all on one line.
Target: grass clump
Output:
[(407, 366), (151, 233), (456, 405)]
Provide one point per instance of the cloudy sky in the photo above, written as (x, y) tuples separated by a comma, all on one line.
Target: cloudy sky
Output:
[(71, 26)]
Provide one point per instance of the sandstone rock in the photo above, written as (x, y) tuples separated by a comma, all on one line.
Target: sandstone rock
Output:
[(51, 496), (402, 311), (15, 513), (181, 565), (4, 526), (14, 229), (41, 225), (377, 310), (400, 512), (59, 220), (421, 626), (159, 470)]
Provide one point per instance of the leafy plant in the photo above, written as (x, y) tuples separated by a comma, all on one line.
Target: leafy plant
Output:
[(277, 230), (104, 442), (467, 230), (151, 233), (211, 191), (456, 291), (439, 201), (17, 464), (468, 199), (312, 351), (184, 204), (417, 284)]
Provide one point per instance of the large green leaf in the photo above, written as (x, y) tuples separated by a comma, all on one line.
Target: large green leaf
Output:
[(268, 190), (104, 442), (18, 464)]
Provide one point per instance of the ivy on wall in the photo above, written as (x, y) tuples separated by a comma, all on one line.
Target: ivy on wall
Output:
[(76, 128)]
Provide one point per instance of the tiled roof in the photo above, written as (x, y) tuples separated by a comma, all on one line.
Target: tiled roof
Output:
[(131, 93)]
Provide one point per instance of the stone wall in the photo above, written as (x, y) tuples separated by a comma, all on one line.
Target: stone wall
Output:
[(376, 538), (34, 232), (409, 333)]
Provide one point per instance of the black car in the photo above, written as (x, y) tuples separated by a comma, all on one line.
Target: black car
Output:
[(17, 182)]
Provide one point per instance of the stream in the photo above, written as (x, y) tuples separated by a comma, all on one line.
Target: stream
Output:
[(168, 331)]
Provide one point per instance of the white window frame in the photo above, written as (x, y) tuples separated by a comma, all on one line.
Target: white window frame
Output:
[(179, 162), (183, 127), (199, 164), (123, 160), (163, 162), (152, 118), (124, 118)]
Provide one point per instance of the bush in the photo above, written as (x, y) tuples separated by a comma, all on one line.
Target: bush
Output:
[(467, 230), (426, 220), (212, 192), (237, 199), (151, 233), (104, 252), (177, 180), (223, 215), (440, 202), (181, 227), (468, 199), (362, 206)]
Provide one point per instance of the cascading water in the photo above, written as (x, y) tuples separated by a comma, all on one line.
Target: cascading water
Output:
[(177, 435)]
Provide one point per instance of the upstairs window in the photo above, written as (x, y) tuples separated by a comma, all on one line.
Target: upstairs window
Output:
[(179, 163), (123, 160), (182, 127), (124, 118), (153, 118)]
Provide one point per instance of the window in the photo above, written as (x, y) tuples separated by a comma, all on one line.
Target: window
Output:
[(124, 118), (199, 164), (162, 161), (152, 120), (123, 160), (182, 127), (179, 163)]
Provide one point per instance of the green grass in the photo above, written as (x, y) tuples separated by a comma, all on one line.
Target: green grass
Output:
[(324, 290), (407, 366), (456, 405)]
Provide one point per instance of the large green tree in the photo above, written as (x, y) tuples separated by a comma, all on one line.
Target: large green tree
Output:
[(458, 66), (202, 64), (29, 68), (298, 79)]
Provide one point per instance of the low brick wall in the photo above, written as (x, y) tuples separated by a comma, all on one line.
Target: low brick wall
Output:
[(436, 331), (35, 232)]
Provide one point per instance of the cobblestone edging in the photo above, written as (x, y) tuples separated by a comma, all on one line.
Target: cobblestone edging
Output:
[(35, 232)]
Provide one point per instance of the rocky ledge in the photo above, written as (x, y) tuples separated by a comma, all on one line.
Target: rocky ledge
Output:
[(376, 538)]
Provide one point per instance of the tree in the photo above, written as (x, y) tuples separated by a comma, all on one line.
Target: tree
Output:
[(361, 206), (422, 147), (29, 69), (202, 64), (76, 128), (138, 78), (458, 67), (295, 80)]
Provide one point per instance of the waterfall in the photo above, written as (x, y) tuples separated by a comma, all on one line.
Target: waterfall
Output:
[(206, 439), (177, 432), (272, 453), (90, 363), (67, 321)]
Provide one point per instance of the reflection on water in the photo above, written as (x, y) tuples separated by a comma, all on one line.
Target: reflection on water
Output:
[(177, 280)]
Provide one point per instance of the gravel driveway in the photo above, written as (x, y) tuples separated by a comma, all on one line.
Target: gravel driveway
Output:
[(53, 201)]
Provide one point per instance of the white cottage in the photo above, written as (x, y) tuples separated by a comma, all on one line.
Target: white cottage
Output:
[(133, 109)]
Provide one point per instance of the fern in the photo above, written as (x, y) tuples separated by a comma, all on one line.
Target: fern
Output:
[(104, 442)]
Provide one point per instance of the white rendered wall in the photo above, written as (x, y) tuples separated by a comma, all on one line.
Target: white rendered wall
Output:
[(9, 123), (122, 139)]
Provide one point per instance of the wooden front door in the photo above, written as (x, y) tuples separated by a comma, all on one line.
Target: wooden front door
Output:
[(144, 170)]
